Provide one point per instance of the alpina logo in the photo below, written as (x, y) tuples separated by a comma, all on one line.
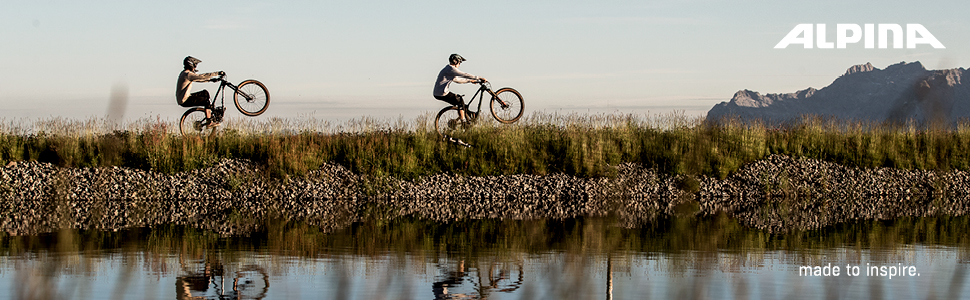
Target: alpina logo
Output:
[(853, 33)]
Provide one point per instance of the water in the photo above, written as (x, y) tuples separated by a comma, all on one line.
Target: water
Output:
[(583, 258)]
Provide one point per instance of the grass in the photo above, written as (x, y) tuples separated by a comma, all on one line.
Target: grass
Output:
[(580, 145)]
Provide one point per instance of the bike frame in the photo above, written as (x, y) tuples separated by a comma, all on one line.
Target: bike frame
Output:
[(482, 90), (222, 86)]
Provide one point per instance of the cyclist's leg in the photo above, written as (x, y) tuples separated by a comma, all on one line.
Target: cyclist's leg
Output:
[(201, 98), (455, 100), (451, 98), (461, 104)]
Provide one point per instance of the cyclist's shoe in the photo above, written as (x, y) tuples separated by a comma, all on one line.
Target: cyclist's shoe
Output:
[(208, 123)]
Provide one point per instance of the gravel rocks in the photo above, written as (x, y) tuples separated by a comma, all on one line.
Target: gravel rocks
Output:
[(778, 193)]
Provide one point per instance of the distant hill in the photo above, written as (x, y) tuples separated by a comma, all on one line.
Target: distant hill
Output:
[(897, 94)]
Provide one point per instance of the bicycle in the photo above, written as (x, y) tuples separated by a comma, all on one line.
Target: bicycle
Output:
[(506, 105), (251, 98)]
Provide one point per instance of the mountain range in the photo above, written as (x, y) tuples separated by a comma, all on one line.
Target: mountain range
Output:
[(900, 93)]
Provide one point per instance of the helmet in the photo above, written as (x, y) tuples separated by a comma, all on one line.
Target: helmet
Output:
[(455, 59), (190, 62)]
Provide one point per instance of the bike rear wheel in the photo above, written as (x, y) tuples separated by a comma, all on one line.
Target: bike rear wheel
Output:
[(191, 123), (251, 97), (512, 108), (448, 122)]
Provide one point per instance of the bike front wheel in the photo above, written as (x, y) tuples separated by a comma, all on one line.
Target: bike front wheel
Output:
[(448, 122), (507, 105), (193, 123), (252, 98)]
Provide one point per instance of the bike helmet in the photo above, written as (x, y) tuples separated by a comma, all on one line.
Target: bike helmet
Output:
[(190, 62), (455, 59)]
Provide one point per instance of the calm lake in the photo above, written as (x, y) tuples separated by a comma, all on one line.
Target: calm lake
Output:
[(582, 258)]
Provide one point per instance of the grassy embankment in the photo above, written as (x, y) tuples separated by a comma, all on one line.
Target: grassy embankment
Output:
[(579, 145)]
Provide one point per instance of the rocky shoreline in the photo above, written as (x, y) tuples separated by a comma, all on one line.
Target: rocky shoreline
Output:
[(776, 194)]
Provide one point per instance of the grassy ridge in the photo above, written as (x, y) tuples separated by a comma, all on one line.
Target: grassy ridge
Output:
[(574, 144)]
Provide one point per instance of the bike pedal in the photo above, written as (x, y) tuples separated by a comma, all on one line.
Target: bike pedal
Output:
[(458, 142)]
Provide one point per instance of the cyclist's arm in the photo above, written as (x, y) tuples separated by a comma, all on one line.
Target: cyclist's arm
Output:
[(202, 77), (462, 77), (463, 80), (470, 80)]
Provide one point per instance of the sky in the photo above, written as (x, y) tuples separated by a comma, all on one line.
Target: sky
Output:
[(338, 60)]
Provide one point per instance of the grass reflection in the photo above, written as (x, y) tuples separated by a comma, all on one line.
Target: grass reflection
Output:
[(488, 237)]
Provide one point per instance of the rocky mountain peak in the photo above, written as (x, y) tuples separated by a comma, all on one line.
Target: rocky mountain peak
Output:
[(900, 93), (859, 69)]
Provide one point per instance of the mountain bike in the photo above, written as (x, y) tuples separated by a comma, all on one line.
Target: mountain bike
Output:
[(251, 98), (506, 105)]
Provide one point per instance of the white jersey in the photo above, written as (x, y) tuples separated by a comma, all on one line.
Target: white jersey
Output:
[(448, 75), (184, 83)]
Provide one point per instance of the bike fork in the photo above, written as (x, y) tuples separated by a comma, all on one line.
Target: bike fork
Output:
[(496, 98)]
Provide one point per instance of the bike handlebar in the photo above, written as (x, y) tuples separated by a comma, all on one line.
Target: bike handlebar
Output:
[(484, 83), (222, 76)]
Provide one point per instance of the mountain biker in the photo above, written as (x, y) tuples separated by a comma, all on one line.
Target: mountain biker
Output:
[(450, 74), (184, 85)]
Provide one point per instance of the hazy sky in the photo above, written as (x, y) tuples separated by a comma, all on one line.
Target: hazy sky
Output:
[(343, 59)]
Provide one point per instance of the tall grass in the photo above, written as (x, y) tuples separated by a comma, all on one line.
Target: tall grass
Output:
[(581, 145)]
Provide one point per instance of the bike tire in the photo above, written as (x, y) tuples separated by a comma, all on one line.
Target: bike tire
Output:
[(448, 122), (258, 101), (191, 123), (515, 105)]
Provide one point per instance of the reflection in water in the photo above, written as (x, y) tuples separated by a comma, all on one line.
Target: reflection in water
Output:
[(452, 279), (208, 281), (583, 258), (496, 278)]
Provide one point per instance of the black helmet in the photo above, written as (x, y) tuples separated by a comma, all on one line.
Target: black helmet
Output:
[(455, 59), (190, 62)]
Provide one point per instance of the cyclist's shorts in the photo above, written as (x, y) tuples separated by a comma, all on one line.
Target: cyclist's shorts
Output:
[(200, 98), (451, 98)]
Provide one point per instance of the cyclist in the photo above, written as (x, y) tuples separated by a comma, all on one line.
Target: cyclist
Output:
[(451, 74), (200, 98)]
